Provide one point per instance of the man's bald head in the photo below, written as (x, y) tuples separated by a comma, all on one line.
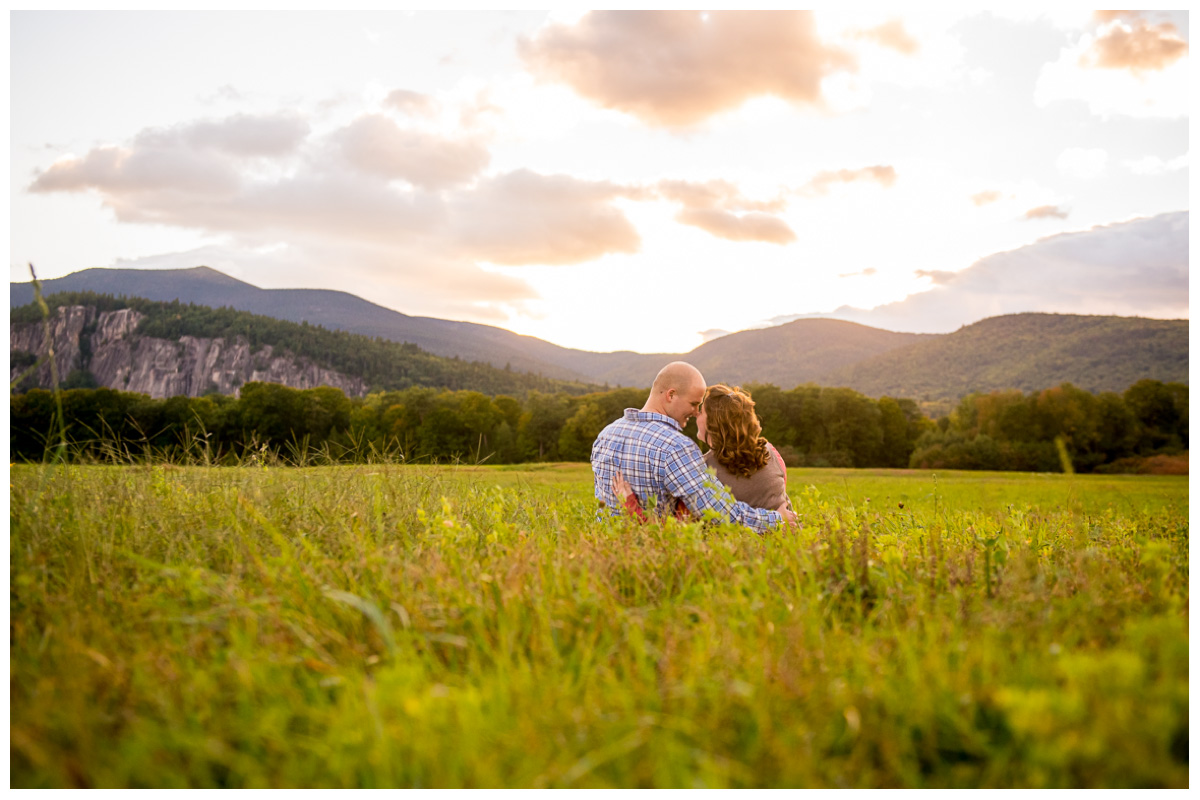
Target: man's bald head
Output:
[(678, 375), (677, 392)]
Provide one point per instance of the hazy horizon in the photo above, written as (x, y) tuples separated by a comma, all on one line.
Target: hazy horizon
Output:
[(843, 316)]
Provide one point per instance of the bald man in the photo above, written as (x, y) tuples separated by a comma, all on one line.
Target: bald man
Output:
[(662, 465)]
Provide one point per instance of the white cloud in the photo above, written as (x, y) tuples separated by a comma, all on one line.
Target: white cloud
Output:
[(1079, 162), (713, 333), (375, 144), (910, 48), (1101, 74), (400, 207), (1136, 268), (1153, 165), (676, 69)]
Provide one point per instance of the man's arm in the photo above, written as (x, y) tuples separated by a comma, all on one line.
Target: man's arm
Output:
[(686, 477)]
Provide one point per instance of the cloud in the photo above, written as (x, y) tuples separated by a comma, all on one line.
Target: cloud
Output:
[(244, 135), (748, 227), (1045, 212), (202, 157), (884, 175), (891, 34), (677, 68), (1136, 268), (713, 333), (1109, 16), (131, 172), (224, 93), (720, 208), (864, 272), (1153, 165), (409, 102), (1133, 69), (375, 144), (715, 194), (408, 213), (1136, 48), (1082, 162), (939, 277), (480, 111), (985, 197), (523, 217)]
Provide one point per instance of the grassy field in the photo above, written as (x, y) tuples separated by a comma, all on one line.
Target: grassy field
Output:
[(479, 627)]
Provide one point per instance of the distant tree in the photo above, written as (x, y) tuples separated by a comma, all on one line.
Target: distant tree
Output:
[(541, 424), (80, 379), (480, 417), (31, 424), (270, 412), (1161, 410), (322, 411), (1116, 427), (579, 432), (509, 408), (852, 425), (902, 424)]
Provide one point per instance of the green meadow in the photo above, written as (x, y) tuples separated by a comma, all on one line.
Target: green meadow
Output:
[(402, 626)]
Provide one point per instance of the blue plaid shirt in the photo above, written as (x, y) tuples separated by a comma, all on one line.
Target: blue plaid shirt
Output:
[(661, 464)]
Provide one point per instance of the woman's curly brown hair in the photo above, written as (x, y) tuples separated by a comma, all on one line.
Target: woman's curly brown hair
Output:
[(733, 430)]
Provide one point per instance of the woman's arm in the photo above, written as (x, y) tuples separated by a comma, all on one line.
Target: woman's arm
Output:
[(783, 476), (779, 458), (621, 488)]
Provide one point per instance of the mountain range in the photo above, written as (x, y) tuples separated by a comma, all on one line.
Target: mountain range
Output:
[(1020, 351)]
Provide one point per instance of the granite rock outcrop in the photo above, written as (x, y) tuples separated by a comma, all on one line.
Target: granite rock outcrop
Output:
[(106, 344)]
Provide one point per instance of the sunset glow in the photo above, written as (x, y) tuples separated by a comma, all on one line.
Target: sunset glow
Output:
[(618, 180)]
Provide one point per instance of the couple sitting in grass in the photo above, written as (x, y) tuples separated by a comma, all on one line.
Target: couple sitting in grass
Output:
[(644, 463)]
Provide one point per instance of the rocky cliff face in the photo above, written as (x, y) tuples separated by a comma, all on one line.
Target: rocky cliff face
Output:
[(105, 344)]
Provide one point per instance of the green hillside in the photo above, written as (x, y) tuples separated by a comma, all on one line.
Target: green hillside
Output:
[(383, 364), (330, 309), (801, 351), (1021, 351), (786, 355), (1027, 352)]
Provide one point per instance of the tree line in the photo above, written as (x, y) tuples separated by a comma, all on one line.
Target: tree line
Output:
[(810, 425), (1036, 431)]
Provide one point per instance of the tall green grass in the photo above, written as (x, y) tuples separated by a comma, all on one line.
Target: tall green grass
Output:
[(385, 625)]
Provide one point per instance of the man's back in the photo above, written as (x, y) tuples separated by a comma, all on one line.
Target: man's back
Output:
[(662, 465)]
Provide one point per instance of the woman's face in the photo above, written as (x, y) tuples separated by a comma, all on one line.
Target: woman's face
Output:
[(702, 425)]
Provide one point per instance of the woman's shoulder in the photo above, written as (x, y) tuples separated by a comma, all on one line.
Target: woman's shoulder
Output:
[(776, 460)]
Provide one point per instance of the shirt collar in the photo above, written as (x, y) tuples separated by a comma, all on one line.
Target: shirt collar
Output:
[(637, 415)]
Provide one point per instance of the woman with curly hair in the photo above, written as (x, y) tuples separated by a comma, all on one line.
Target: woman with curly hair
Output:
[(741, 458)]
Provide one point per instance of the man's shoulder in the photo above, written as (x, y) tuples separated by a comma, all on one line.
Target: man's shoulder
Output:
[(634, 420), (647, 427)]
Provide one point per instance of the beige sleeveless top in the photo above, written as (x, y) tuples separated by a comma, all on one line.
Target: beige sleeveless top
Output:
[(766, 488)]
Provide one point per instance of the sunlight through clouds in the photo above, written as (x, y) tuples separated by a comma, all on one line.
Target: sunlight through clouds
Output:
[(1136, 70), (529, 169)]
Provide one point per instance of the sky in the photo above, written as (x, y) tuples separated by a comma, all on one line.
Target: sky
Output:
[(610, 181)]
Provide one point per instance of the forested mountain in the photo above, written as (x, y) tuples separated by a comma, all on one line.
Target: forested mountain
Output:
[(167, 348), (802, 351), (330, 309), (1021, 351), (786, 355), (1026, 352)]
